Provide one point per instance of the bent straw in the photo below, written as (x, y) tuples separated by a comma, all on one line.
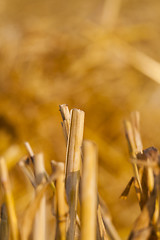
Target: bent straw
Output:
[(89, 191), (28, 172), (107, 221), (73, 162), (4, 177), (101, 234)]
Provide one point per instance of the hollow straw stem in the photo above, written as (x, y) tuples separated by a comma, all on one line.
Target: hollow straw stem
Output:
[(135, 119), (39, 230), (66, 117), (61, 202), (64, 110), (73, 163), (132, 149), (9, 200), (75, 141), (89, 191), (4, 228), (29, 149)]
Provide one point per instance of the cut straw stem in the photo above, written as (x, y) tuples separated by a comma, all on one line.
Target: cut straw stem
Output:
[(9, 200), (89, 191), (73, 163), (29, 149), (135, 119), (132, 149), (75, 141), (4, 228), (62, 207), (64, 110), (39, 230)]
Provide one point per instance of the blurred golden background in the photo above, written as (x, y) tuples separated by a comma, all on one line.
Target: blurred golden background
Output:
[(100, 56)]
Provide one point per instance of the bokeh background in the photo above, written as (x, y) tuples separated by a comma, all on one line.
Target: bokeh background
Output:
[(100, 56)]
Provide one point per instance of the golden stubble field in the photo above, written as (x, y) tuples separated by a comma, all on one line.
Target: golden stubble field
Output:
[(100, 56)]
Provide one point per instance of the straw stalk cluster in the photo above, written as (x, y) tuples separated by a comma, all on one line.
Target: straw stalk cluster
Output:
[(76, 206)]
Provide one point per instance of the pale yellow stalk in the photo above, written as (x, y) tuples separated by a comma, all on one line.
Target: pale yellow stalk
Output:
[(4, 177), (39, 230), (89, 191), (64, 110), (73, 163), (62, 207), (132, 149)]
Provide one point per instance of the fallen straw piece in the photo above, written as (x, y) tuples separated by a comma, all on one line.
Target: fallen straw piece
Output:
[(89, 191), (4, 177)]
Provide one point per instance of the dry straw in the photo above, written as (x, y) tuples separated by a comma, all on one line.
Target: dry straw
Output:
[(78, 180), (147, 169), (39, 231), (89, 191), (73, 164), (62, 207), (8, 197), (4, 229), (64, 110)]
